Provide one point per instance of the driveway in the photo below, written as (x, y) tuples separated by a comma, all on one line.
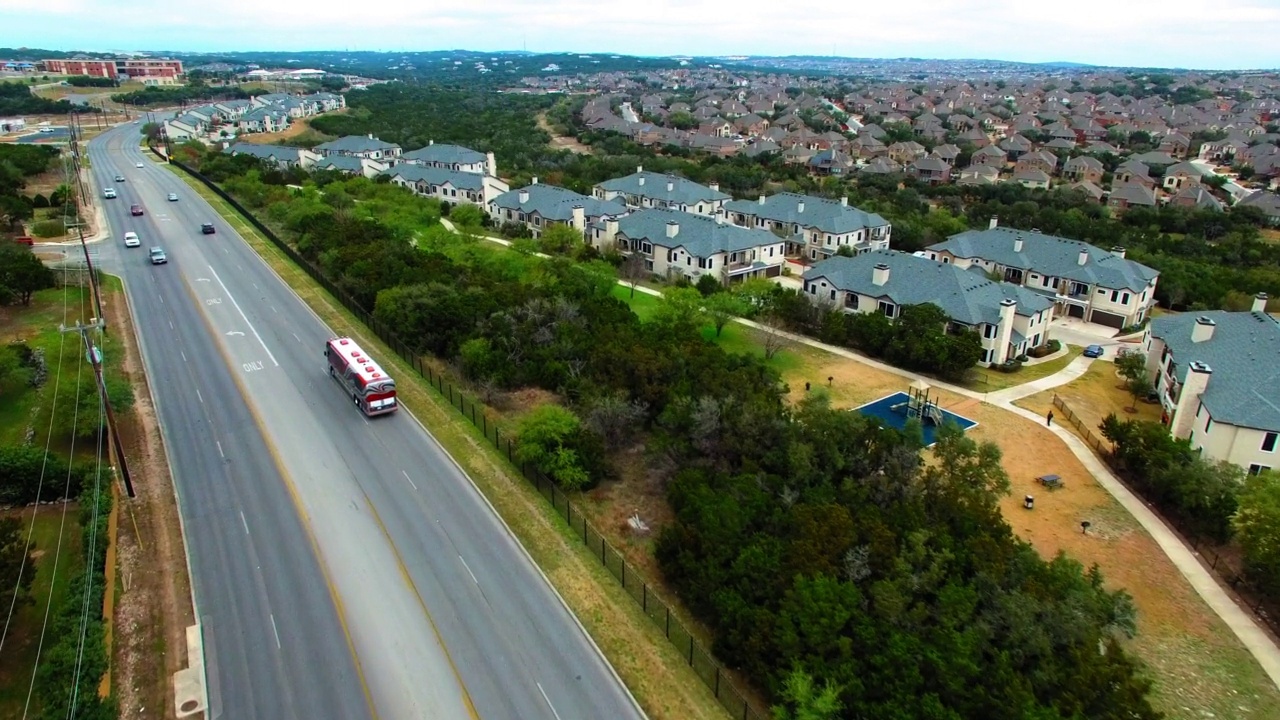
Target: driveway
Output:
[(1077, 332)]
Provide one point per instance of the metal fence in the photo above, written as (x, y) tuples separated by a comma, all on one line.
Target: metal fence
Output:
[(1099, 445), (726, 691)]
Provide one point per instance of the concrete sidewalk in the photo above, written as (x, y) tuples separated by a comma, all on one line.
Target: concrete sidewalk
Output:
[(1073, 370)]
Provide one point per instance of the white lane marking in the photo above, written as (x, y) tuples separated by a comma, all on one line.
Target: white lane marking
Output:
[(184, 356), (255, 285), (234, 332), (473, 575), (219, 442), (295, 337), (544, 697), (161, 299), (406, 477), (277, 634), (226, 251), (273, 309), (244, 522), (198, 395), (171, 327), (203, 280), (246, 317)]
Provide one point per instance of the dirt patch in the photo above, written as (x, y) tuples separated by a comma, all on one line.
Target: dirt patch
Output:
[(153, 608), (562, 142), (296, 127)]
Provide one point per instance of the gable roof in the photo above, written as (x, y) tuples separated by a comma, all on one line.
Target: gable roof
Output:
[(1050, 255), (445, 155), (436, 176), (683, 191), (1244, 355), (965, 296), (355, 144), (808, 211), (700, 235), (264, 152), (557, 203)]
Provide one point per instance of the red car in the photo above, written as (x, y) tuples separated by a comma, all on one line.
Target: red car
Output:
[(135, 209)]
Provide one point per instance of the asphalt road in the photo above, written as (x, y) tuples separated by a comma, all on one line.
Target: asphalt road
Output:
[(447, 614), (265, 609)]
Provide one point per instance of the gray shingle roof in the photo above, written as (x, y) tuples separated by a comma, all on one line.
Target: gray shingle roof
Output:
[(1050, 255), (345, 163), (1244, 354), (557, 203), (967, 297), (825, 215), (683, 191), (445, 154), (437, 176), (265, 152), (701, 236), (355, 143)]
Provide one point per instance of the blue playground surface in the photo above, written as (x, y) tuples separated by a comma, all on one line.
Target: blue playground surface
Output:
[(892, 410)]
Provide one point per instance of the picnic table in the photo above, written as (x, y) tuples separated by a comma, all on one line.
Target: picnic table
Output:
[(1053, 482)]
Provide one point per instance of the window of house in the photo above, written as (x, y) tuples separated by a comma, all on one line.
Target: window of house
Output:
[(671, 256), (1269, 442), (648, 265), (1124, 298), (851, 300), (1115, 295), (1258, 469), (988, 331), (1208, 424), (833, 294), (886, 309), (813, 289), (646, 248), (537, 221)]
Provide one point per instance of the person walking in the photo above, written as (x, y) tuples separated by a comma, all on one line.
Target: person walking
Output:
[(1049, 419)]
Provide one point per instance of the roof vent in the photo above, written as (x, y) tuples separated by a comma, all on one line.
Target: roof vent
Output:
[(368, 368)]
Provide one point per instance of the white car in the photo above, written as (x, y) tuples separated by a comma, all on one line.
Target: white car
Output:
[(173, 197), (109, 193), (139, 165), (131, 239)]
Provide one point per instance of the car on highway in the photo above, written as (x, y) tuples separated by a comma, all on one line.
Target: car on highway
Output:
[(109, 193), (173, 197), (120, 178), (158, 256), (207, 229), (1094, 351), (135, 209), (138, 165), (131, 239)]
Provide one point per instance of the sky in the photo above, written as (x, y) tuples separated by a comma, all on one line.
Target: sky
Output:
[(1202, 34)]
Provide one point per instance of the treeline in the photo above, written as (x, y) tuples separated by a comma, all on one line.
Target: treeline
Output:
[(17, 99), (155, 95), (19, 161), (91, 81), (812, 541)]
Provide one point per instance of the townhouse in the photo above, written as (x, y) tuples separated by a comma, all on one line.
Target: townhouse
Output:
[(1010, 319), (282, 156), (655, 190), (448, 186), (367, 147), (452, 157), (1084, 281), (1217, 379), (539, 206), (812, 227), (675, 244)]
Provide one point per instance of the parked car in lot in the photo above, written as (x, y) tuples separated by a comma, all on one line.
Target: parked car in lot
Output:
[(109, 193), (1094, 351), (135, 209), (119, 178), (173, 197), (158, 256), (131, 239)]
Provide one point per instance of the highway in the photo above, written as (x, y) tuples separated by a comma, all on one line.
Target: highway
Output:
[(447, 616)]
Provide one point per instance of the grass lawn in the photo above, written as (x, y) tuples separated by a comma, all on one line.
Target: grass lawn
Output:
[(1092, 397), (654, 671), (24, 635), (989, 380)]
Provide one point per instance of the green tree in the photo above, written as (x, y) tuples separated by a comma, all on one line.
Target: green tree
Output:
[(22, 273), (681, 308), (14, 374), (803, 700), (15, 584), (723, 307), (560, 239), (1132, 366), (466, 215), (546, 439), (1257, 529)]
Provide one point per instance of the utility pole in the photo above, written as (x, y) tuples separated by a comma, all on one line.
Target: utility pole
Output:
[(95, 358)]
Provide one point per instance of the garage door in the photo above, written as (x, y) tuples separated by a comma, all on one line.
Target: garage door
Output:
[(1108, 319), (1075, 311)]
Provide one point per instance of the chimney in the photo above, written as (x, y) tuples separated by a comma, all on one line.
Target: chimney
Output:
[(1202, 330), (641, 181), (880, 274), (431, 142), (535, 180), (579, 217), (1118, 251), (1084, 256), (611, 228), (673, 228), (800, 207), (1017, 243), (671, 185), (1193, 386), (1260, 303), (524, 196), (844, 201), (994, 222), (639, 169), (715, 186), (1004, 331), (491, 165), (761, 199), (370, 136)]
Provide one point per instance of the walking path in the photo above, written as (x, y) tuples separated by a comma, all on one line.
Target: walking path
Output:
[(1253, 637)]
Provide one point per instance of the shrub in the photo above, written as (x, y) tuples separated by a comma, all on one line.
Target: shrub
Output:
[(48, 228), (39, 201), (553, 440)]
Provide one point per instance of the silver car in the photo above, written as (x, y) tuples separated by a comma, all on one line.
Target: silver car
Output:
[(158, 257)]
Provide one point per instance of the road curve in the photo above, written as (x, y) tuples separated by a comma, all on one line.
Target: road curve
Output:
[(447, 614)]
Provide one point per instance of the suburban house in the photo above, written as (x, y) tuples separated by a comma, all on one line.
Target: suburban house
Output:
[(932, 170), (284, 157), (1124, 197), (1083, 168), (1010, 319), (676, 243), (361, 146), (452, 157), (1266, 202), (539, 206), (450, 186), (1085, 281), (656, 190), (262, 120), (1217, 378), (349, 164), (812, 227)]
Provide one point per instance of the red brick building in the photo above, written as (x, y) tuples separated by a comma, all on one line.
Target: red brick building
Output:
[(148, 70)]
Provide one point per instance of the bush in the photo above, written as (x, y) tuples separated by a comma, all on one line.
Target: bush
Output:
[(48, 229), (1008, 366), (39, 201), (21, 467), (553, 440)]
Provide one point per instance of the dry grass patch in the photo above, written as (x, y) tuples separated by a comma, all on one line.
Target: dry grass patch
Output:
[(652, 668), (1093, 396)]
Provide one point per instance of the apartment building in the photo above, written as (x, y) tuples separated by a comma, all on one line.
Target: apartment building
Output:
[(643, 189), (813, 227), (675, 243)]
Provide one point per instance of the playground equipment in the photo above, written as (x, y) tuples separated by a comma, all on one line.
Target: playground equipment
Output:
[(918, 405)]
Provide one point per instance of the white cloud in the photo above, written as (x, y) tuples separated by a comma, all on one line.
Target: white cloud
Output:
[(1186, 33)]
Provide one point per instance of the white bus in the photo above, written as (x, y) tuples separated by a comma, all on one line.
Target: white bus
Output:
[(371, 389)]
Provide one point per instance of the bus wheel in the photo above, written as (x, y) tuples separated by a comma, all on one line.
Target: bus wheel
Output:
[(356, 399), (331, 373)]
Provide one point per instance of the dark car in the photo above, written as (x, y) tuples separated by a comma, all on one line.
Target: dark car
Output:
[(119, 178), (1093, 351), (135, 209), (207, 229)]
